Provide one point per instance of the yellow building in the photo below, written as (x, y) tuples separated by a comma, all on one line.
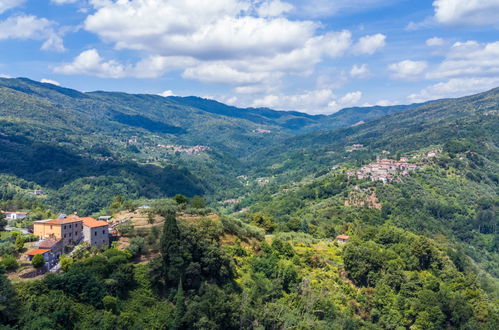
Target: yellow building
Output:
[(70, 229)]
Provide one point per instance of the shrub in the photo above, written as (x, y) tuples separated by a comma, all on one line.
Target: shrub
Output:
[(38, 261), (9, 262)]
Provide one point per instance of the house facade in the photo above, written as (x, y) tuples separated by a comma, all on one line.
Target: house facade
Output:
[(95, 232), (69, 229), (14, 215)]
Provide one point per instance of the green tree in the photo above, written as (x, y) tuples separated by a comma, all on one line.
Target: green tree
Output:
[(170, 247), (263, 220), (9, 262), (38, 261), (3, 221), (20, 242), (179, 306), (9, 304), (181, 199), (198, 202)]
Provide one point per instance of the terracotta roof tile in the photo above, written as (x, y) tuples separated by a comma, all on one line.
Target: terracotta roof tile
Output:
[(37, 251), (93, 223)]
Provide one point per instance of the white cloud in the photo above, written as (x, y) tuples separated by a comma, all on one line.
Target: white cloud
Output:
[(247, 44), (360, 71), (314, 102), (274, 8), (454, 88), (407, 69), (370, 44), (435, 42), (8, 4), (4, 76), (50, 81), (469, 59), (90, 62), (467, 12), (32, 27), (167, 93)]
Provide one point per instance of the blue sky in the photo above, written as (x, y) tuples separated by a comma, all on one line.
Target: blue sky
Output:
[(316, 56)]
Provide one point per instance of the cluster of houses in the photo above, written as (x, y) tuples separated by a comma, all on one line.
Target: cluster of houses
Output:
[(56, 234), (384, 170), (186, 150)]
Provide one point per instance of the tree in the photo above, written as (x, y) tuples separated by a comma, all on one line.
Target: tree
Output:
[(181, 199), (198, 202), (38, 261), (170, 247), (179, 306), (3, 222), (65, 261), (20, 242), (9, 262), (263, 220), (9, 304)]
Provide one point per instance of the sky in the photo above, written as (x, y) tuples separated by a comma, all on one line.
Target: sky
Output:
[(315, 56)]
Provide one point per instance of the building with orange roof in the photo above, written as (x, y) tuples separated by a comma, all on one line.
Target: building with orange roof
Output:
[(342, 238), (69, 229), (95, 232)]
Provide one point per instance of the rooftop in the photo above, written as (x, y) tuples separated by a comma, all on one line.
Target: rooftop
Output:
[(343, 237), (64, 221), (37, 251), (93, 223), (48, 243)]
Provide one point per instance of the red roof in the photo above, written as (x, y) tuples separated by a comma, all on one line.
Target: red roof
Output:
[(70, 219), (93, 223), (49, 243), (37, 251), (343, 237)]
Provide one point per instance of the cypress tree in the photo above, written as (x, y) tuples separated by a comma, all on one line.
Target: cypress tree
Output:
[(171, 248), (179, 306)]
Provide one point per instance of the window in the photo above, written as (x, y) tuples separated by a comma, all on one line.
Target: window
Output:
[(103, 231), (70, 234), (50, 226), (64, 227), (69, 226), (64, 235), (95, 233)]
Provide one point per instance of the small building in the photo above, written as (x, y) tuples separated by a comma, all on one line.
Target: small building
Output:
[(69, 229), (38, 192), (50, 260), (342, 238), (14, 215), (95, 232), (105, 217)]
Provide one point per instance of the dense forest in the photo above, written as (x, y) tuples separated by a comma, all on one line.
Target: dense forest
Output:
[(272, 226)]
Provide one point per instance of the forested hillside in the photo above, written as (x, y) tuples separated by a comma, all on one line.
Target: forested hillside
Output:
[(85, 148), (387, 224)]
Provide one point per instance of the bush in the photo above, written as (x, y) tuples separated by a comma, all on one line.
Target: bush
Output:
[(9, 262), (7, 248), (38, 261)]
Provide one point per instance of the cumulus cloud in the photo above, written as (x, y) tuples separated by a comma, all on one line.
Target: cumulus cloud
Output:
[(8, 4), (315, 101), (455, 87), (370, 44), (360, 71), (469, 59), (435, 42), (50, 81), (167, 93), (4, 76), (91, 63), (34, 28), (249, 45), (407, 69), (274, 8), (467, 12)]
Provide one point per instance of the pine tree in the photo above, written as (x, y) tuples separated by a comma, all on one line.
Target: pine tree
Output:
[(171, 249), (179, 306)]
